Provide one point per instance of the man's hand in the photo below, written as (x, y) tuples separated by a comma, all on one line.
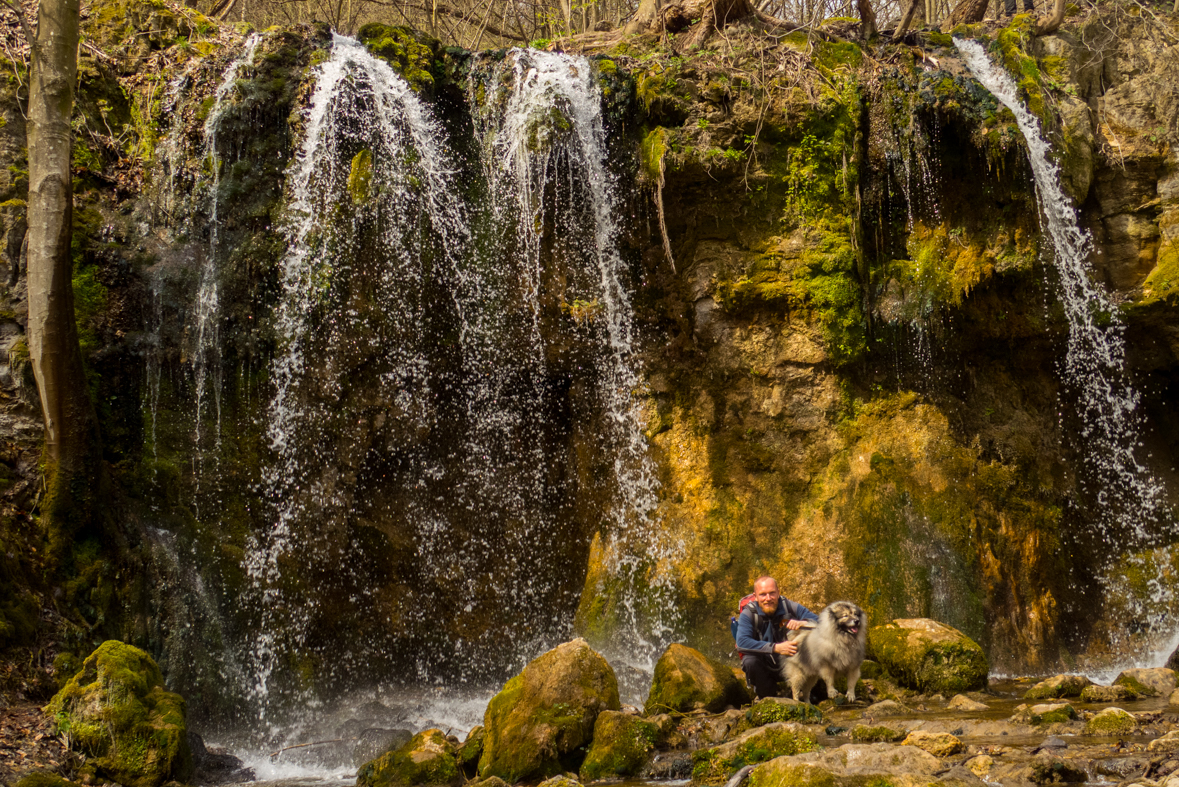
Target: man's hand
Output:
[(794, 625), (786, 648)]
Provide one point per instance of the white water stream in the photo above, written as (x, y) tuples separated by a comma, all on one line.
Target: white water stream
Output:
[(1131, 503)]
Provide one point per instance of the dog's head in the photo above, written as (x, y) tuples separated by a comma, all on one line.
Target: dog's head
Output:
[(849, 618)]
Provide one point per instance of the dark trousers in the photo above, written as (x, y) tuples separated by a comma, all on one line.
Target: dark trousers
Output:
[(763, 675), (1009, 7)]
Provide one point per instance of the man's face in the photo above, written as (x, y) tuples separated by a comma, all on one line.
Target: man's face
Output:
[(767, 595)]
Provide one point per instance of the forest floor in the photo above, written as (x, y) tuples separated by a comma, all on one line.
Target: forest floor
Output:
[(28, 743)]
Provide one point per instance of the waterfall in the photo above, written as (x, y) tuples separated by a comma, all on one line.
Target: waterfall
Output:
[(1132, 508), (540, 126), (206, 355), (371, 196)]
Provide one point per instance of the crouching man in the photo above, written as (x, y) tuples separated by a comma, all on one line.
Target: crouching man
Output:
[(761, 635)]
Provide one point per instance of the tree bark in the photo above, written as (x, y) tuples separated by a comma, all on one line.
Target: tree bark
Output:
[(71, 433), (654, 15), (966, 12), (1048, 24), (867, 19), (911, 15)]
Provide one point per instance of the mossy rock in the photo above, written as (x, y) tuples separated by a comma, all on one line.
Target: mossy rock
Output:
[(117, 712), (1058, 687), (412, 54), (928, 656), (1111, 721), (687, 680), (538, 724), (1056, 772), (1156, 682), (1115, 693), (428, 758), (879, 734), (772, 710), (1047, 713), (715, 766), (622, 743), (472, 749)]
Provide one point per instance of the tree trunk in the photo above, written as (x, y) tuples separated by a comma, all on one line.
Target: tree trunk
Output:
[(654, 16), (966, 12), (867, 19), (71, 433), (1048, 24), (914, 11)]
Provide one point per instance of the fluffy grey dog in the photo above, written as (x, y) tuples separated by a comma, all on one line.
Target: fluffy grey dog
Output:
[(833, 646)]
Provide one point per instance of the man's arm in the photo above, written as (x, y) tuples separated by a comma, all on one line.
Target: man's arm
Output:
[(797, 611), (748, 639)]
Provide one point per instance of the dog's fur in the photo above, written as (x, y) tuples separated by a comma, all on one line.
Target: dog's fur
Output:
[(834, 646)]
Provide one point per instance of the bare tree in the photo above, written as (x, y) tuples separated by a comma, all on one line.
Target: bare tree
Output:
[(71, 428)]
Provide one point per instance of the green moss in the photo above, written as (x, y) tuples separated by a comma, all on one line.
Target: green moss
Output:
[(879, 734), (360, 177), (770, 711), (117, 712), (621, 745), (1011, 44), (686, 680), (1163, 282), (427, 759), (44, 780), (948, 666), (1135, 685), (653, 149), (715, 766), (411, 53), (1111, 721)]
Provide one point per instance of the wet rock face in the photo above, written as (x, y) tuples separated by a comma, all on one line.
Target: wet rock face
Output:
[(1058, 686), (427, 759), (539, 721), (622, 745), (117, 712)]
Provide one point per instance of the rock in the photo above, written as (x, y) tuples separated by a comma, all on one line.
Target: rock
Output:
[(1172, 661), (885, 708), (1057, 687), (939, 744), (211, 767), (375, 741), (961, 702), (546, 712), (117, 711), (687, 680), (870, 670), (490, 781), (1051, 743), (758, 745), (1053, 771), (427, 759), (775, 709), (718, 729), (667, 766), (560, 780), (1174, 698), (41, 779), (860, 761), (980, 766), (1111, 721), (1168, 742), (1156, 682), (621, 746), (1049, 713), (472, 749), (928, 656), (864, 734), (1115, 693)]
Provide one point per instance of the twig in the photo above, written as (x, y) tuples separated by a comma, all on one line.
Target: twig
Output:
[(305, 745)]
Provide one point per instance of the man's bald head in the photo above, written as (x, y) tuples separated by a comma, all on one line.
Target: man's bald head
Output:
[(766, 590)]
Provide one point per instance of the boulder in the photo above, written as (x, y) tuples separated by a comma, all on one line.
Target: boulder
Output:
[(472, 749), (1156, 682), (116, 711), (215, 767), (537, 724), (621, 746), (961, 702), (1115, 693), (939, 744), (1057, 687), (885, 708), (776, 709), (881, 734), (928, 656), (1047, 713), (1111, 721), (375, 741), (1172, 661), (759, 745), (980, 765), (1168, 742), (560, 780), (427, 759), (856, 764), (1174, 698), (687, 680), (668, 734)]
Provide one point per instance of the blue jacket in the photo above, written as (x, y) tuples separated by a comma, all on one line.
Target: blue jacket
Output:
[(757, 632)]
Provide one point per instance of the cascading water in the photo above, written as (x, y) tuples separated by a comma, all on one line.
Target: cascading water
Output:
[(544, 153), (1131, 505), (361, 239), (206, 354)]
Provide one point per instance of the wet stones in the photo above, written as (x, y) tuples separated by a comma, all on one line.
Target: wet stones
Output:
[(1148, 682), (427, 759), (1057, 687), (939, 744), (1046, 713), (929, 656), (621, 746), (1115, 693), (1111, 721), (960, 702), (686, 680)]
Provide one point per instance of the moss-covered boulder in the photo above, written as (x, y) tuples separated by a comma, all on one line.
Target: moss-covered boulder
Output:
[(863, 733), (538, 723), (1111, 721), (928, 656), (1058, 687), (1158, 682), (687, 680), (117, 712), (1046, 713), (1115, 693), (715, 766), (428, 758), (777, 709), (960, 702), (472, 749), (621, 746)]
